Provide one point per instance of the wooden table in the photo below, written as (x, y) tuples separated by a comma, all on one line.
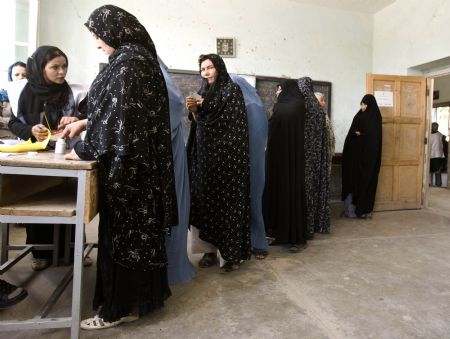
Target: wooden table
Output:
[(46, 189)]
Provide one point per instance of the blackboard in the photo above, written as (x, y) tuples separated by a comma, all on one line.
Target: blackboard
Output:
[(188, 81)]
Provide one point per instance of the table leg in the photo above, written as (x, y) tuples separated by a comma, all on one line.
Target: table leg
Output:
[(5, 243)]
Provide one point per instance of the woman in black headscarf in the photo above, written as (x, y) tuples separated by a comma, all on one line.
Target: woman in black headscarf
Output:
[(218, 151), (361, 160), (284, 193), (128, 133), (317, 154), (46, 102)]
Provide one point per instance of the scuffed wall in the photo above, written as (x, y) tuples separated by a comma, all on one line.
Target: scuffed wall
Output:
[(274, 38), (410, 33)]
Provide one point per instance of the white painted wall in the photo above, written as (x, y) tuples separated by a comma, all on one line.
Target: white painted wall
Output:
[(410, 33), (274, 38)]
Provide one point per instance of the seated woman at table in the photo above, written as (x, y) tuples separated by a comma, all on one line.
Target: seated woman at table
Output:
[(42, 102)]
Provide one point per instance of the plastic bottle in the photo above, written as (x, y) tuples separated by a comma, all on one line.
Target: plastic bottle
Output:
[(60, 147)]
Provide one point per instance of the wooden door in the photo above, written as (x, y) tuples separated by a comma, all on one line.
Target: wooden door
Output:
[(402, 105)]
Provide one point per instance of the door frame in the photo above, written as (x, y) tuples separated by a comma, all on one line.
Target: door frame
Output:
[(426, 153), (430, 76)]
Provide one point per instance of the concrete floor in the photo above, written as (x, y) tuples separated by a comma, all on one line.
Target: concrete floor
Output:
[(388, 277)]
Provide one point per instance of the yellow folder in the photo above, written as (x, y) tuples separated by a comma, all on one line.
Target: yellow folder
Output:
[(26, 146)]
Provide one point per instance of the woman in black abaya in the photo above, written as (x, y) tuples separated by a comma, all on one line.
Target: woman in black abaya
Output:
[(361, 160), (317, 155), (218, 153), (128, 133), (284, 193)]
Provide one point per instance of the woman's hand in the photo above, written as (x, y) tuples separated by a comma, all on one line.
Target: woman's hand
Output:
[(40, 132), (65, 121), (191, 104), (74, 129), (72, 156)]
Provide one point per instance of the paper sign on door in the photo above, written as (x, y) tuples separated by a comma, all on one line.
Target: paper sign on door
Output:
[(384, 98)]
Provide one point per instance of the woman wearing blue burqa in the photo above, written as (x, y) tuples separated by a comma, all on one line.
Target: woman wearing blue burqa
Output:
[(257, 133), (179, 267)]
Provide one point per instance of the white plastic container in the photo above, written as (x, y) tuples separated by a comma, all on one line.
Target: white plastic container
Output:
[(60, 147)]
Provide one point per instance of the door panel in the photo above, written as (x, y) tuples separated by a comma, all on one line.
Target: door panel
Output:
[(384, 188), (409, 143), (400, 179), (388, 140)]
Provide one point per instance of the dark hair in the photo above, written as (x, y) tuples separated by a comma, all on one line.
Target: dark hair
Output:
[(17, 63), (51, 54), (222, 74)]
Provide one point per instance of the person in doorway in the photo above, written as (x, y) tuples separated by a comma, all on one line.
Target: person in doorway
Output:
[(10, 294), (445, 149), (284, 206), (437, 156), (219, 165), (257, 132), (361, 160), (128, 133)]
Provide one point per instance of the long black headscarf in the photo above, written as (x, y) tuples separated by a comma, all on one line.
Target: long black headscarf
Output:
[(131, 41), (51, 92), (55, 96), (317, 180), (128, 132), (116, 27), (361, 158), (289, 92), (211, 93)]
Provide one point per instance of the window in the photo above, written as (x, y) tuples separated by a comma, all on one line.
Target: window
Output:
[(19, 23)]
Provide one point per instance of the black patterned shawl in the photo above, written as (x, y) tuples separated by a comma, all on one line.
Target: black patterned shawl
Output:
[(220, 167), (128, 132), (317, 178)]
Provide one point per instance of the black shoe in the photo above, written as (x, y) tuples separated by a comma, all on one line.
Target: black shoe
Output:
[(10, 294), (208, 260), (229, 266), (296, 248)]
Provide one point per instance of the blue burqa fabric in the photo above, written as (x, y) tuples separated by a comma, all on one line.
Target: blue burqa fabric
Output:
[(257, 131), (179, 269)]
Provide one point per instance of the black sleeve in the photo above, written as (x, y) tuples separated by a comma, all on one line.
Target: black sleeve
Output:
[(82, 109), (83, 151), (23, 131)]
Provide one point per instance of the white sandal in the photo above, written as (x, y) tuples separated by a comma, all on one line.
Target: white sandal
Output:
[(98, 323)]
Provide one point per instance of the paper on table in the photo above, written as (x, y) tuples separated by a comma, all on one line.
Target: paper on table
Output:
[(26, 146)]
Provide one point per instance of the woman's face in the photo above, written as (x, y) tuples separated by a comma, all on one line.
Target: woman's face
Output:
[(18, 73), (363, 106), (55, 70), (278, 91), (322, 102), (208, 71), (107, 49)]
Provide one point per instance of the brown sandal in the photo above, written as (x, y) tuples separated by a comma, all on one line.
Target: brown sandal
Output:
[(259, 253)]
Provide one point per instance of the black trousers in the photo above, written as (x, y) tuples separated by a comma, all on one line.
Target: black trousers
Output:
[(40, 234)]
